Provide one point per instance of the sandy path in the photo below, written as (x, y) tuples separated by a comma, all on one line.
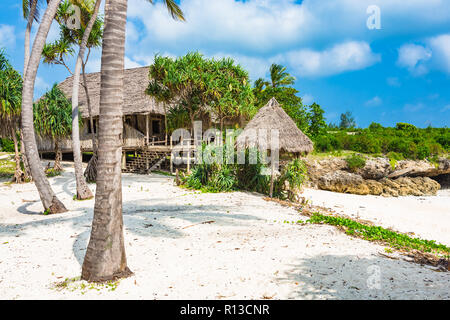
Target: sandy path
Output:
[(425, 217), (247, 253)]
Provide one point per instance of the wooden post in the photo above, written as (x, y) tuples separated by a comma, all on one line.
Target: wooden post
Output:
[(272, 166), (189, 160), (124, 160), (146, 128)]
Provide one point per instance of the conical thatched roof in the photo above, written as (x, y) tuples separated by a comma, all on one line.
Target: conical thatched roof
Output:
[(273, 117)]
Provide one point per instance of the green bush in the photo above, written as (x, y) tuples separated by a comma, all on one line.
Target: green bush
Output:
[(355, 162), (222, 180), (6, 145), (222, 177), (326, 143), (409, 141), (295, 174), (405, 126)]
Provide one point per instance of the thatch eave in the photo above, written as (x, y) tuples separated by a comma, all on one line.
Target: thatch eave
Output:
[(273, 117)]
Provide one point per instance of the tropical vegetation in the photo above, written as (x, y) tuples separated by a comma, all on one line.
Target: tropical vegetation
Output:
[(201, 87), (217, 173), (53, 119), (10, 108)]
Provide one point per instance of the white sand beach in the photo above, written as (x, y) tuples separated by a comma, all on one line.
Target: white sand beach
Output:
[(182, 244), (426, 217)]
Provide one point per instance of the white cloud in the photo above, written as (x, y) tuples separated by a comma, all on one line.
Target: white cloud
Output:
[(7, 35), (412, 56), (254, 24), (93, 65), (413, 107), (342, 57), (132, 32), (446, 108), (41, 85), (271, 25), (440, 45), (131, 64), (393, 82), (433, 54), (307, 99), (374, 102), (257, 67)]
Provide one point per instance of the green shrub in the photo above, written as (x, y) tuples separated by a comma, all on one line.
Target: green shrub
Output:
[(326, 143), (7, 145), (405, 126), (222, 180), (355, 162), (394, 157), (405, 139), (295, 174), (222, 177), (52, 173)]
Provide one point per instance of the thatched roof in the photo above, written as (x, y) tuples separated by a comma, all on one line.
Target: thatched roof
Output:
[(273, 117), (135, 100)]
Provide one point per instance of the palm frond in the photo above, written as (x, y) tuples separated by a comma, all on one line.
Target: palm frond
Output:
[(173, 8)]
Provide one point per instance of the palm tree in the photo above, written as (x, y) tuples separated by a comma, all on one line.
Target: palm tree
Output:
[(56, 53), (83, 191), (105, 256), (279, 77), (10, 100), (49, 200), (53, 119), (30, 13)]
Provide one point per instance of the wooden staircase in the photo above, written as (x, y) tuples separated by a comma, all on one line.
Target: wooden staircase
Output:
[(145, 161)]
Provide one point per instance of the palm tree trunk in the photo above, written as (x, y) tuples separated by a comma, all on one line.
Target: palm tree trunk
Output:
[(105, 256), (83, 191), (27, 171), (91, 170), (18, 174), (26, 167), (49, 200), (91, 118), (27, 35), (58, 157)]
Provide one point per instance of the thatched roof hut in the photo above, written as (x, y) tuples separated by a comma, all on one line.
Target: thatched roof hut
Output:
[(135, 100), (273, 117)]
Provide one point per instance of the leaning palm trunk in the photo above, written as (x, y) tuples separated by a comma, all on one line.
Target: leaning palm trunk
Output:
[(83, 191), (27, 171), (26, 167), (27, 35), (49, 200), (18, 174), (105, 256)]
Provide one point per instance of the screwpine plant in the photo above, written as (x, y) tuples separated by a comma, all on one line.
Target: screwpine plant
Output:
[(216, 174)]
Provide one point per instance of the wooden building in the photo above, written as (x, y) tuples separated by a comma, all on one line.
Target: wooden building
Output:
[(143, 121)]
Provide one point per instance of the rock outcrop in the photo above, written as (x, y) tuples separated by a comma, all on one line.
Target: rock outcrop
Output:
[(378, 177), (422, 168), (346, 182), (377, 168)]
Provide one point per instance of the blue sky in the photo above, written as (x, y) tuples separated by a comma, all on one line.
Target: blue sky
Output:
[(399, 73)]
